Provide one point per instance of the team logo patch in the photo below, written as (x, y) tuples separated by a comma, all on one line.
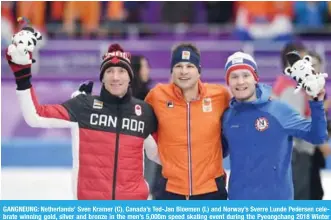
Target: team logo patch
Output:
[(97, 104), (137, 110), (186, 55), (170, 104), (237, 60), (207, 105), (115, 60), (261, 124)]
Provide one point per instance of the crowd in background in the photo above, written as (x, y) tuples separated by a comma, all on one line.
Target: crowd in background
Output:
[(95, 19)]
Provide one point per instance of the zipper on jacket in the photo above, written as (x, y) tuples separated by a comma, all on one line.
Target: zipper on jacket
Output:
[(118, 128), (189, 149)]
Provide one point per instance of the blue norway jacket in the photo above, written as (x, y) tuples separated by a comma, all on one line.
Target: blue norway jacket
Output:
[(258, 137)]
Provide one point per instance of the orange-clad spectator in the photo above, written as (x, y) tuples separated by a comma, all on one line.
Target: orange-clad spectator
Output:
[(7, 23), (34, 11), (57, 8), (6, 11), (115, 11), (87, 12), (266, 10), (264, 20)]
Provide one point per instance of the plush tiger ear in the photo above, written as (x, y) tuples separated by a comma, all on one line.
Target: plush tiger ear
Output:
[(292, 57), (38, 36), (308, 58), (288, 71)]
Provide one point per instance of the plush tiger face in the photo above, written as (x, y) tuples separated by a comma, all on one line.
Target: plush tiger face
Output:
[(22, 46), (300, 69), (27, 38)]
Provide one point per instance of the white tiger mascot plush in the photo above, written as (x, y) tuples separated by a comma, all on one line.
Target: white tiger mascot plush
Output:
[(23, 43), (302, 71)]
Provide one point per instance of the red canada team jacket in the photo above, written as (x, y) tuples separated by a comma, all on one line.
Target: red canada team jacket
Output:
[(108, 136)]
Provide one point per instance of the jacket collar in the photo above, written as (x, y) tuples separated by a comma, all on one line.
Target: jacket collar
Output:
[(179, 94), (107, 97), (263, 94)]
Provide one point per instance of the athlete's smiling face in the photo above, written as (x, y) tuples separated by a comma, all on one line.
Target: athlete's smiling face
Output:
[(116, 80), (243, 85), (185, 75)]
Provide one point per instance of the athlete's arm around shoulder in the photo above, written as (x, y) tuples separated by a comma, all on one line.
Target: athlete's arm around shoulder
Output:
[(312, 130), (224, 119), (226, 96), (220, 92), (154, 94), (150, 97), (225, 100), (150, 142)]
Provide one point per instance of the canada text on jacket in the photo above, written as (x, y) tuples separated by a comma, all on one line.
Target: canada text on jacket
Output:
[(111, 121)]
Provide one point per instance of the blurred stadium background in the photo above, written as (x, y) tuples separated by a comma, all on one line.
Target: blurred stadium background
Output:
[(36, 162)]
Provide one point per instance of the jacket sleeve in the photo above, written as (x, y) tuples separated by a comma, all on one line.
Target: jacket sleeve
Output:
[(43, 116), (150, 146), (149, 97), (224, 142), (225, 146), (313, 131), (150, 143)]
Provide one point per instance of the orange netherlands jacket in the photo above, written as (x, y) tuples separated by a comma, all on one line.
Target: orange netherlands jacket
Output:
[(189, 136)]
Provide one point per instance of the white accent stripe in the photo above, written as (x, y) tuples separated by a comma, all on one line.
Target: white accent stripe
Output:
[(75, 158), (152, 153), (123, 55), (31, 116)]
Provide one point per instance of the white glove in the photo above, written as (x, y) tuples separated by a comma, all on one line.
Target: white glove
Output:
[(77, 93)]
